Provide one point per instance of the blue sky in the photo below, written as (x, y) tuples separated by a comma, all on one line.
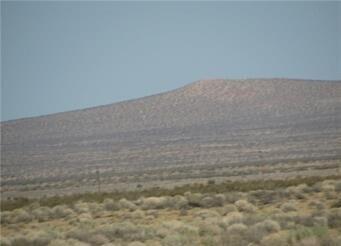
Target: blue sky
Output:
[(60, 56)]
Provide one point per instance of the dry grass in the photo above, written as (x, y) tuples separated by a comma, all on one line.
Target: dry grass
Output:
[(296, 216)]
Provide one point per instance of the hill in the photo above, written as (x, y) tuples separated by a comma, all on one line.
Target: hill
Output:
[(206, 129)]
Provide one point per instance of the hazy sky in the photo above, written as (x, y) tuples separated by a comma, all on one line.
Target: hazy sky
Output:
[(59, 56)]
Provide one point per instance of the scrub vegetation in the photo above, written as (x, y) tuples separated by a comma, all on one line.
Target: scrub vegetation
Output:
[(296, 212)]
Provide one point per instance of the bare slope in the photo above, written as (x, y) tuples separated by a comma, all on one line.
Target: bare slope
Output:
[(216, 122)]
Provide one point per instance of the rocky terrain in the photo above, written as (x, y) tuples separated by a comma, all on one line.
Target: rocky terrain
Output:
[(223, 129)]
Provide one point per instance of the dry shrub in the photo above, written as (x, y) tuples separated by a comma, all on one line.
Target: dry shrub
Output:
[(110, 205), (226, 209), (298, 191), (270, 225), (177, 239), (6, 217), (136, 243), (338, 186), (289, 206), (206, 213), (98, 239), (156, 203), (208, 228), (81, 207), (302, 188), (180, 202), (126, 231), (212, 201), (153, 243), (125, 204), (251, 219), (311, 221), (42, 238), (230, 239), (264, 196), (317, 205), (245, 206), (328, 182), (232, 197), (310, 241), (233, 218), (330, 240), (67, 242), (95, 208), (330, 195), (5, 241), (336, 204), (211, 240), (286, 220), (194, 199), (20, 240), (85, 218), (275, 239), (327, 187), (300, 233), (80, 234), (137, 214), (262, 229), (21, 216), (39, 238), (42, 214), (238, 228), (178, 233), (179, 226), (152, 213), (320, 221), (334, 218), (61, 211)]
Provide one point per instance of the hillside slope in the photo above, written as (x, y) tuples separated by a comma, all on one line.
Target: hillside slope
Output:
[(214, 122)]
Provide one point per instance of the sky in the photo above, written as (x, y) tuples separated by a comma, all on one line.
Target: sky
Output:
[(61, 56)]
